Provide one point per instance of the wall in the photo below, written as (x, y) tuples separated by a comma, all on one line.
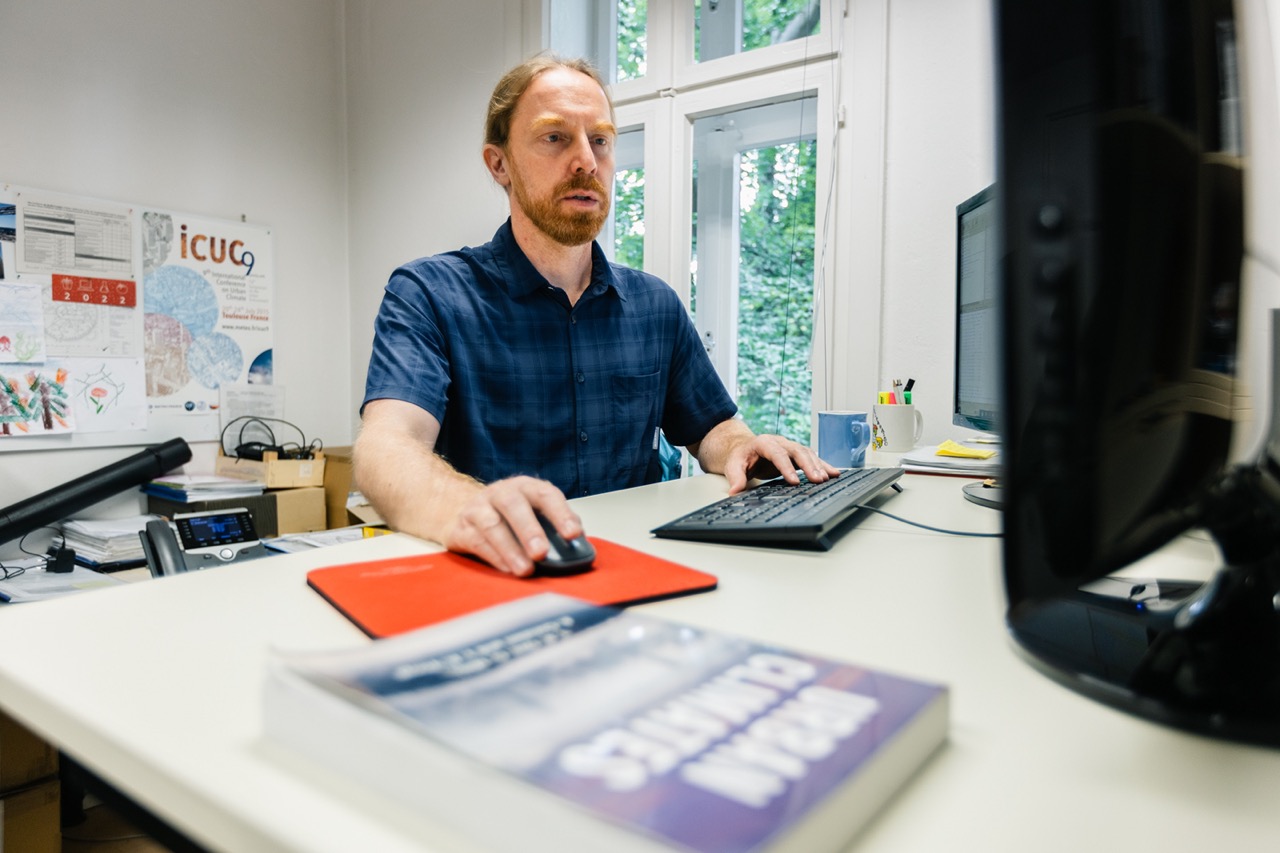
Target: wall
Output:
[(419, 76), (220, 109), (940, 149), (353, 129)]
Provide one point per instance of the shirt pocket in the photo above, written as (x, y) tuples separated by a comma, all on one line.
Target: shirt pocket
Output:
[(636, 411)]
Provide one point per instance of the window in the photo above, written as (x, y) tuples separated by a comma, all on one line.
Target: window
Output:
[(737, 93), (725, 27), (753, 240)]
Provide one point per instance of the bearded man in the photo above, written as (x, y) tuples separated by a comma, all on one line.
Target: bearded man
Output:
[(508, 376)]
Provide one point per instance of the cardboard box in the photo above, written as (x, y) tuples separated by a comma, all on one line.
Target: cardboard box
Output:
[(338, 494), (274, 513), (24, 757), (31, 819), (275, 472)]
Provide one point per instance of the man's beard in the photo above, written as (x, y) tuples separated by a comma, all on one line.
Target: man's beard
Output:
[(568, 229)]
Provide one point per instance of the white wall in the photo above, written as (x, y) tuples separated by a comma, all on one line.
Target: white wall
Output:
[(419, 75), (223, 109), (940, 149)]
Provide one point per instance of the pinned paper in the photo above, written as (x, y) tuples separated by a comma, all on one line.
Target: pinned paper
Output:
[(951, 448)]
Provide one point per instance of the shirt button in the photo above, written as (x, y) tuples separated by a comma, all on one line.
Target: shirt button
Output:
[(581, 377), (585, 493), (582, 436)]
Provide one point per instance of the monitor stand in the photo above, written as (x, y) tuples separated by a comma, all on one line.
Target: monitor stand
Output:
[(988, 493)]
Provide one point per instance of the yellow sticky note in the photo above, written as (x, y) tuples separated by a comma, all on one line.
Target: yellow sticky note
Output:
[(950, 448)]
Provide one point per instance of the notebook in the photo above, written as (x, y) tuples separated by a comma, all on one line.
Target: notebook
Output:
[(386, 597)]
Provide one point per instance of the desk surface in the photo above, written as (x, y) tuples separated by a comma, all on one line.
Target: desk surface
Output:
[(157, 687)]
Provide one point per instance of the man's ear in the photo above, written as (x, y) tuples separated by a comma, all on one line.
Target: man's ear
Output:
[(495, 160)]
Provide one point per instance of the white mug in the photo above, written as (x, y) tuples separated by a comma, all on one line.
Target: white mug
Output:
[(897, 427)]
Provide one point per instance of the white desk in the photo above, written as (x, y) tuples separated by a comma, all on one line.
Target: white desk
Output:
[(156, 687)]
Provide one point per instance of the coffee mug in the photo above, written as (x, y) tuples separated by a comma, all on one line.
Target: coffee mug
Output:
[(898, 426), (843, 438)]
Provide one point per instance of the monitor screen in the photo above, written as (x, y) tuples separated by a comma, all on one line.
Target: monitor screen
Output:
[(976, 401), (1123, 170)]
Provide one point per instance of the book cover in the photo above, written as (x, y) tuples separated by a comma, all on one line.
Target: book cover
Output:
[(386, 597), (611, 730)]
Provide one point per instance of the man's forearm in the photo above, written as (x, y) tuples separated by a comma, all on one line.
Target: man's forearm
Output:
[(411, 487)]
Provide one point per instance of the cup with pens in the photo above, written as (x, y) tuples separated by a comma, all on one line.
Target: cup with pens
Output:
[(896, 424)]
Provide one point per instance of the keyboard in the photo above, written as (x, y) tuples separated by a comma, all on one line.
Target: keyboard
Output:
[(774, 513)]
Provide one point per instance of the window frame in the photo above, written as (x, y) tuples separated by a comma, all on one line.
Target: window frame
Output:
[(852, 53)]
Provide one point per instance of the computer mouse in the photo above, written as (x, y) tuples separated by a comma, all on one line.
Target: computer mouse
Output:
[(564, 556)]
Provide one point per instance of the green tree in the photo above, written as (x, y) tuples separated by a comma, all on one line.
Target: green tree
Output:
[(775, 288), (628, 217)]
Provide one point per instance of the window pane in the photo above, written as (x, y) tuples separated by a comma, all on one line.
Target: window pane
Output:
[(614, 36), (726, 27), (628, 217), (775, 288), (633, 39), (753, 249), (623, 235)]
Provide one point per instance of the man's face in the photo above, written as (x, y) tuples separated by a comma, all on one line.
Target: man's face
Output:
[(558, 161)]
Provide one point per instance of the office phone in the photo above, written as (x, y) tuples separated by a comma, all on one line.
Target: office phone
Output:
[(200, 540)]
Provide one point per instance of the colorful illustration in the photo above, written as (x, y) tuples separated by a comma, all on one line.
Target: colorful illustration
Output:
[(34, 402)]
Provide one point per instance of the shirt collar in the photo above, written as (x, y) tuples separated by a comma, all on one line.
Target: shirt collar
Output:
[(525, 278)]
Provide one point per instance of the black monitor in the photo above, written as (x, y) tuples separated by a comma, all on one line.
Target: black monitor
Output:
[(1124, 176), (976, 399)]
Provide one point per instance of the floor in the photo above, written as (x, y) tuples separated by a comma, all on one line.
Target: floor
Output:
[(103, 831)]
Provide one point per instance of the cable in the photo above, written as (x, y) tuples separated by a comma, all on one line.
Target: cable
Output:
[(255, 449), (8, 572), (929, 526)]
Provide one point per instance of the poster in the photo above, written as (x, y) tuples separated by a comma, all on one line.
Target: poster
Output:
[(65, 234), (207, 294)]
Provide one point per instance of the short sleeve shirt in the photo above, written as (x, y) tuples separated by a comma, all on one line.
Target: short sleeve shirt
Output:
[(524, 383)]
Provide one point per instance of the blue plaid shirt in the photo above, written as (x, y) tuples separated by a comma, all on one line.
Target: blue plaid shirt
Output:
[(522, 383)]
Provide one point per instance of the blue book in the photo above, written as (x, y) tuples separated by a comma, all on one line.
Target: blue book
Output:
[(608, 730)]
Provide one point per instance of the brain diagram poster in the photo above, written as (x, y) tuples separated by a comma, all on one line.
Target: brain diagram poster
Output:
[(207, 294)]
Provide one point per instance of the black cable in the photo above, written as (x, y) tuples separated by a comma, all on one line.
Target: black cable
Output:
[(929, 526), (300, 450)]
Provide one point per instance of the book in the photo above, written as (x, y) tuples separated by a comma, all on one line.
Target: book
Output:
[(385, 597), (550, 724)]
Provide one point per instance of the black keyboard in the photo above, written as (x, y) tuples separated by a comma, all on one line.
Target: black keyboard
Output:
[(779, 514)]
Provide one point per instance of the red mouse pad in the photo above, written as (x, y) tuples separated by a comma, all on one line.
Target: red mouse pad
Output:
[(385, 597)]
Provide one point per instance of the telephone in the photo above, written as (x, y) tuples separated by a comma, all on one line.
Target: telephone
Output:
[(203, 540)]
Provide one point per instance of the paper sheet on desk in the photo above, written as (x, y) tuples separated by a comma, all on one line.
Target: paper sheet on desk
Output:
[(929, 460), (35, 584)]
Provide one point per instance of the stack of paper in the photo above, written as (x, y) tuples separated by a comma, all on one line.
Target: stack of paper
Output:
[(112, 544), (953, 458), (186, 488)]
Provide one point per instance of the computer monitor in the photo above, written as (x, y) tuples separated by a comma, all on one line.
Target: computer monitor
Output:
[(1132, 138), (976, 399)]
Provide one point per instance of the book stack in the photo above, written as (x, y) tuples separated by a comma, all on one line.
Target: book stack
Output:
[(190, 488), (107, 545), (610, 730)]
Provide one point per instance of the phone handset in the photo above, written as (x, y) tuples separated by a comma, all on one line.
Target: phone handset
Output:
[(160, 546)]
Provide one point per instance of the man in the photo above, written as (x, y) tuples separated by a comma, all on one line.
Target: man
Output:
[(505, 376)]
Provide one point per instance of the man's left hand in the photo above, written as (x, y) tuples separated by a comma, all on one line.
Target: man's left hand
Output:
[(767, 456)]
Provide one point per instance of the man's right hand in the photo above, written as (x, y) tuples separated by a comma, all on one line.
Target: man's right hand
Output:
[(418, 492), (498, 523)]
